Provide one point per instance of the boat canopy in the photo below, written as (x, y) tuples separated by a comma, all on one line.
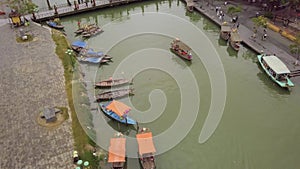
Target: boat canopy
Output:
[(116, 151), (79, 44), (276, 64), (190, 3), (145, 143), (225, 28), (235, 36), (118, 107)]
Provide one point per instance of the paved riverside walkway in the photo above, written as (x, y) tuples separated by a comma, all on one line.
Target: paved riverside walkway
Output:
[(66, 10), (31, 77), (275, 43)]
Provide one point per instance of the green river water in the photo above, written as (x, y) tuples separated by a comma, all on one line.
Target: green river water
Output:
[(259, 127)]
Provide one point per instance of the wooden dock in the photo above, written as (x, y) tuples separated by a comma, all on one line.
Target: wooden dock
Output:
[(67, 10)]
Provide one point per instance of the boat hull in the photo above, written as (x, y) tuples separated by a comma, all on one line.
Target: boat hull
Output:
[(286, 84), (55, 26), (114, 116), (225, 35), (111, 83), (235, 45), (180, 55), (114, 94)]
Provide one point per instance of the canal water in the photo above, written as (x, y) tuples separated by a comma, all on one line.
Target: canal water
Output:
[(218, 111)]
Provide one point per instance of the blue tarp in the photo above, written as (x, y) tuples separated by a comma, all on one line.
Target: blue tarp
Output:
[(79, 44), (93, 60), (92, 52), (50, 23)]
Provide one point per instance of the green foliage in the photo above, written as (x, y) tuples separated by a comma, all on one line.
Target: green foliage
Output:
[(269, 15), (260, 21), (23, 7), (234, 9), (81, 139)]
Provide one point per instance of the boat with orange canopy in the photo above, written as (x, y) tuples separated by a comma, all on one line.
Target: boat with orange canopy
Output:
[(117, 111), (116, 152), (146, 149)]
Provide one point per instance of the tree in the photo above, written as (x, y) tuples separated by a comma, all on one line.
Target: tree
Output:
[(295, 47), (233, 9), (260, 21), (23, 7)]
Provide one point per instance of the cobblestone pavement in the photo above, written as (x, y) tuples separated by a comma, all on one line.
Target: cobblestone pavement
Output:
[(31, 77)]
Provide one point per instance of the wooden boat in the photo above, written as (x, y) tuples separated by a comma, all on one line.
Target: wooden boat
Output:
[(77, 46), (116, 152), (103, 60), (92, 32), (225, 31), (54, 25), (114, 94), (181, 49), (235, 40), (190, 5), (117, 111), (107, 57), (90, 53), (90, 59), (79, 31), (276, 69), (146, 149), (111, 82)]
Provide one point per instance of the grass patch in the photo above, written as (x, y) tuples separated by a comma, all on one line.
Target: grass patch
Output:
[(29, 38), (81, 139)]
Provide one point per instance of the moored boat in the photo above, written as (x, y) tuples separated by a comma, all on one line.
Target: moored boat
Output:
[(225, 31), (114, 94), (116, 152), (55, 24), (117, 111), (190, 5), (146, 149), (90, 53), (92, 32), (276, 69), (77, 46), (107, 57), (181, 49), (112, 82), (235, 40), (90, 59)]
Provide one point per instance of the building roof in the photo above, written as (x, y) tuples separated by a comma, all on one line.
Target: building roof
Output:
[(145, 143), (276, 64), (116, 150)]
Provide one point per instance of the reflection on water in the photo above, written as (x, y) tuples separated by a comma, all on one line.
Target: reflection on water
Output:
[(231, 52), (222, 42)]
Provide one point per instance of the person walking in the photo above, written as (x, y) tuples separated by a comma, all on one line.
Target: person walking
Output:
[(238, 25)]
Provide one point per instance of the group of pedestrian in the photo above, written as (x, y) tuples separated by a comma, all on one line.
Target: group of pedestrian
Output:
[(220, 13), (264, 35)]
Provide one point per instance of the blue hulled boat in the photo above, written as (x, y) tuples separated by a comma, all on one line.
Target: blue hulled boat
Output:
[(117, 111)]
